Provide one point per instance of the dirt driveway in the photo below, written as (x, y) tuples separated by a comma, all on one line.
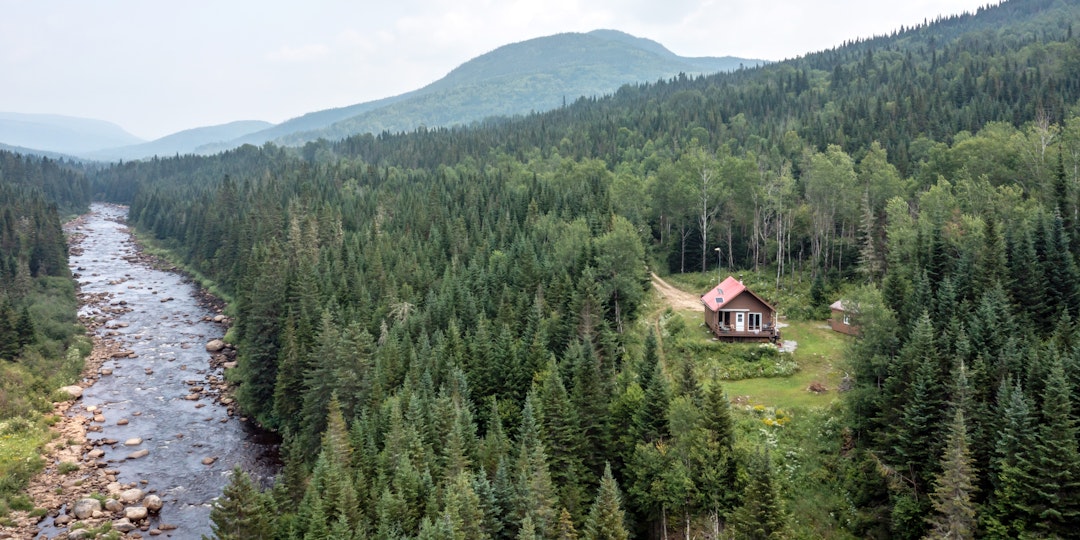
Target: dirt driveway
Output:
[(677, 299)]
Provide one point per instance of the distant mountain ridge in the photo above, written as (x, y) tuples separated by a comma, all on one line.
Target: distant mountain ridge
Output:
[(61, 134), (535, 75), (182, 142)]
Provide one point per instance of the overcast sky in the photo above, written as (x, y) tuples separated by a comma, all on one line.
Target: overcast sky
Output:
[(156, 68)]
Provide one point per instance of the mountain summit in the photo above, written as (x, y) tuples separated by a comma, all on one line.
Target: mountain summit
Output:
[(530, 76)]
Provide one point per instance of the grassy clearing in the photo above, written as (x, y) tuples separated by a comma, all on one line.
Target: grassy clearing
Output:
[(819, 354), (801, 428)]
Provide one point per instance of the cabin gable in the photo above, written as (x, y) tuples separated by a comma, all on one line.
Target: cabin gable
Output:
[(735, 313)]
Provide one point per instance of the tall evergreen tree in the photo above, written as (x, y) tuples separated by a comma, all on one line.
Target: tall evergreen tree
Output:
[(720, 481), (242, 511), (1057, 459), (954, 487), (560, 433), (762, 515), (606, 519), (1009, 508)]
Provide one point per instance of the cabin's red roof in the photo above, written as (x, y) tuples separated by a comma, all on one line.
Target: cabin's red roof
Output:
[(723, 293)]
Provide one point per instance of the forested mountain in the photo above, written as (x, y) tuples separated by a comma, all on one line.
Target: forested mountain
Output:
[(535, 75), (445, 324), (62, 134)]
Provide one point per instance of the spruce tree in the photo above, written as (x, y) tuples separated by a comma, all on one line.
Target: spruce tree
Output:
[(606, 520), (954, 487), (242, 511), (536, 497), (762, 515), (1009, 509), (1057, 459), (651, 419), (720, 483), (464, 509), (562, 437), (566, 530)]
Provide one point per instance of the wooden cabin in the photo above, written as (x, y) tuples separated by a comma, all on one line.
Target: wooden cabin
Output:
[(735, 313), (841, 320)]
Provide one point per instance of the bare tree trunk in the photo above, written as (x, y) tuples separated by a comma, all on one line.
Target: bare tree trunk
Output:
[(684, 234), (663, 223), (779, 246), (663, 522), (618, 314), (843, 229), (757, 235), (730, 249)]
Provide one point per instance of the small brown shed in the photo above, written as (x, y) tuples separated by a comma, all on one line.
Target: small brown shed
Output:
[(841, 319), (735, 313)]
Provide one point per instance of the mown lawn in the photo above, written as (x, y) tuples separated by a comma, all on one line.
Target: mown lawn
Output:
[(819, 353)]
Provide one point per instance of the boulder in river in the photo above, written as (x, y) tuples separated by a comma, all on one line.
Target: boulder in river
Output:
[(215, 345), (85, 508), (138, 454), (74, 391), (152, 503), (132, 495), (135, 513), (123, 525)]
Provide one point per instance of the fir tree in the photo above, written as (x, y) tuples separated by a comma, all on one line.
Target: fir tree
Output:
[(954, 487), (762, 515), (721, 478), (651, 419), (606, 520), (242, 511), (1009, 510), (566, 530), (561, 435), (1057, 459)]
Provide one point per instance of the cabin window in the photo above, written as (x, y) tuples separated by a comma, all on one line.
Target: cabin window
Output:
[(847, 319), (754, 322)]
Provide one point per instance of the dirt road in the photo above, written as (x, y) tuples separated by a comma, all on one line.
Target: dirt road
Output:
[(677, 299)]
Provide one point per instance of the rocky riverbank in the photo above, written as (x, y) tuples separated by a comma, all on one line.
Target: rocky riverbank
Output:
[(80, 487)]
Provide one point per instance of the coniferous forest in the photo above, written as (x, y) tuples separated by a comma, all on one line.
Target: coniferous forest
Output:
[(40, 344), (448, 326)]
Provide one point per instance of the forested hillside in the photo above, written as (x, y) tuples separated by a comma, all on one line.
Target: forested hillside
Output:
[(38, 334), (445, 325)]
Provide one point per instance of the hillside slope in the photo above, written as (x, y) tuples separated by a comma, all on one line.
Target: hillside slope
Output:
[(62, 134), (531, 76)]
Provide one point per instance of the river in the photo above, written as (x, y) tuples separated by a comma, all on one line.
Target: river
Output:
[(152, 394)]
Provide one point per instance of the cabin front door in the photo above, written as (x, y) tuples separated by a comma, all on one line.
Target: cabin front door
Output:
[(740, 321)]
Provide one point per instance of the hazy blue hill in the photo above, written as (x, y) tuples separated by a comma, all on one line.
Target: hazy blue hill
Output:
[(63, 134), (533, 75), (40, 153), (183, 142)]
